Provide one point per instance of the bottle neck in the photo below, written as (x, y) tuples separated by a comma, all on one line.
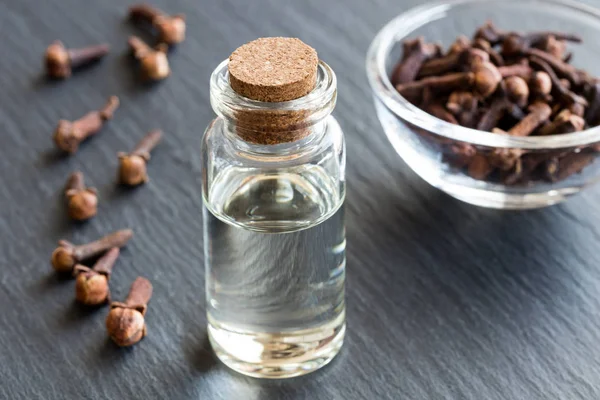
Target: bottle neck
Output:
[(274, 128), (311, 137)]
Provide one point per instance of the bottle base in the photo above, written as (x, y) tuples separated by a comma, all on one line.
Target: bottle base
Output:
[(277, 355)]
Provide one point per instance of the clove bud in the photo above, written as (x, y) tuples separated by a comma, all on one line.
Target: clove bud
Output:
[(66, 255), (490, 33), (132, 166), (91, 284), (82, 202), (564, 122), (463, 105), (504, 159), (154, 63), (171, 29), (125, 322), (493, 55), (551, 45), (517, 90), (540, 83), (61, 61), (459, 45), (562, 93), (487, 78), (479, 167), (69, 134), (415, 53)]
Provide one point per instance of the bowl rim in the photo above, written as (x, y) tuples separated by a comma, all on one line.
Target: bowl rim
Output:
[(403, 25)]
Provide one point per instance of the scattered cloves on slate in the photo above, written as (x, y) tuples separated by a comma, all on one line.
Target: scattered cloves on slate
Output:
[(154, 63), (82, 201), (66, 255), (61, 61), (171, 29), (125, 323), (69, 134), (91, 284), (132, 166)]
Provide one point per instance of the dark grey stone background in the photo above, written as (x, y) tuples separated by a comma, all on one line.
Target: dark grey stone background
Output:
[(445, 301)]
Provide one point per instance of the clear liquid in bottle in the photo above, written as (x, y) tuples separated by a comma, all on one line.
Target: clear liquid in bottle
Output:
[(275, 271)]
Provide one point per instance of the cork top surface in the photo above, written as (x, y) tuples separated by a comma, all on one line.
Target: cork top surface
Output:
[(273, 69)]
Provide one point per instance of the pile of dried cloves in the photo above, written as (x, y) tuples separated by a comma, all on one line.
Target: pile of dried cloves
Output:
[(508, 83), (125, 322)]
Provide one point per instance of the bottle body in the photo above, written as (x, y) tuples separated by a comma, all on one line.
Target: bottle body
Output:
[(274, 240)]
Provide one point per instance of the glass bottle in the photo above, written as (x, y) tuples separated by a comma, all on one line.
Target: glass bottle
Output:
[(274, 232)]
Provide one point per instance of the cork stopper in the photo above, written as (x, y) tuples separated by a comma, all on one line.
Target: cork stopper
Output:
[(273, 69)]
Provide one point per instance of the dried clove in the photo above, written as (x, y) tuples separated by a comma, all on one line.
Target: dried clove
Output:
[(154, 63), (515, 174), (439, 66), (517, 90), (61, 61), (577, 109), (453, 61), (540, 83), (125, 323), (503, 158), (460, 154), (91, 284), (415, 53), (592, 114), (82, 201), (473, 57), (515, 43), (490, 33), (445, 83), (460, 44), (66, 255), (479, 168), (486, 79), (558, 90), (438, 110), (564, 122), (463, 105), (538, 113), (493, 55), (560, 67), (550, 44), (527, 164), (69, 134), (521, 69), (558, 169), (493, 114), (171, 29), (132, 166)]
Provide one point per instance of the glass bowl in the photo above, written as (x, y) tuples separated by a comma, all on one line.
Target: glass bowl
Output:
[(429, 145)]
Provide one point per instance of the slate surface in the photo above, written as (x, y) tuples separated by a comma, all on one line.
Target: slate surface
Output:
[(445, 301)]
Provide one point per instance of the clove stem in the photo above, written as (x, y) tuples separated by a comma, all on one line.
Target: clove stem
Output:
[(145, 146), (140, 293)]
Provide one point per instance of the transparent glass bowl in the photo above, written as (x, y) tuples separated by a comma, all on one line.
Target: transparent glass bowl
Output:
[(426, 143)]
